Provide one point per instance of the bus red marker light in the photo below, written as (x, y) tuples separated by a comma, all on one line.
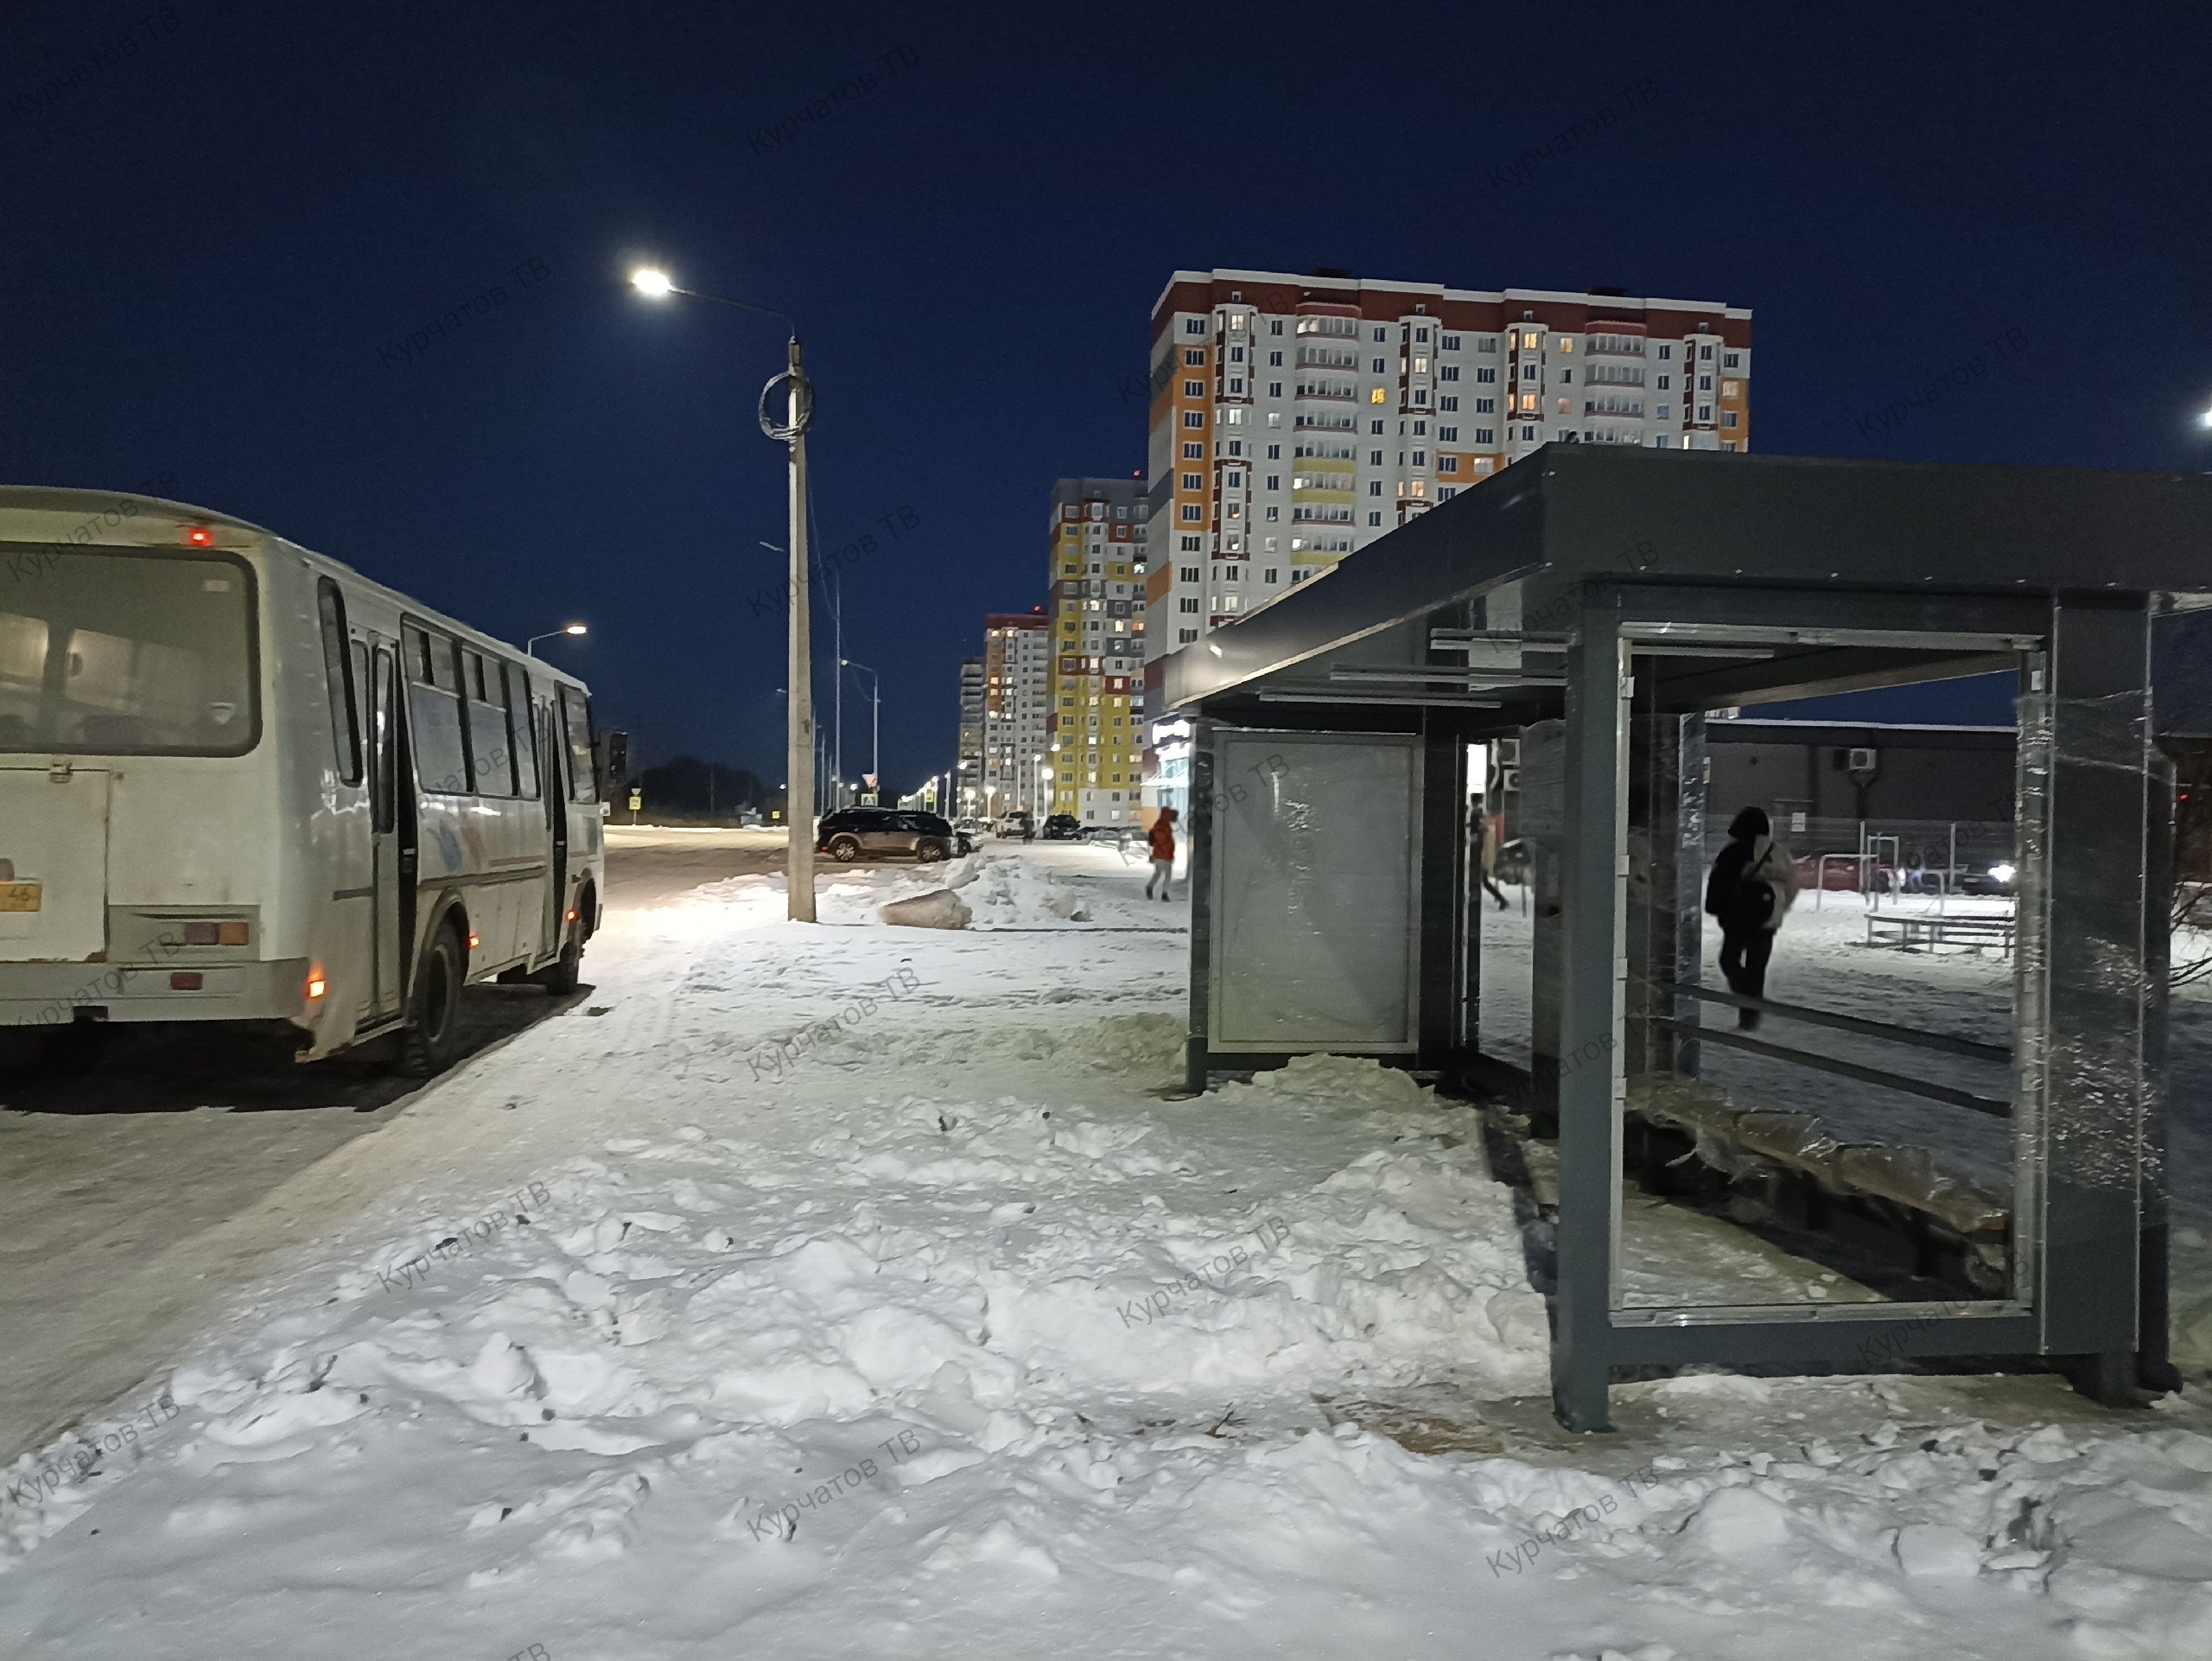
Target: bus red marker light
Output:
[(316, 987), (186, 980), (199, 536)]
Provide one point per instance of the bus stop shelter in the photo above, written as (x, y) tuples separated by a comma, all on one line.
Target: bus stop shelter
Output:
[(1595, 605)]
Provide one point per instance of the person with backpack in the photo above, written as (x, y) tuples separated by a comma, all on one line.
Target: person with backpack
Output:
[(1162, 836), (1754, 883)]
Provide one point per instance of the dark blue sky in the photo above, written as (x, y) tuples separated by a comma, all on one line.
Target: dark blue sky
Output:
[(210, 237)]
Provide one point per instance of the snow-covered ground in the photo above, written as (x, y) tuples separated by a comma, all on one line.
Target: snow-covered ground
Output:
[(853, 1290)]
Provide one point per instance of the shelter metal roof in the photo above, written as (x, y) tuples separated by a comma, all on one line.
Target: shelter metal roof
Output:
[(1819, 528)]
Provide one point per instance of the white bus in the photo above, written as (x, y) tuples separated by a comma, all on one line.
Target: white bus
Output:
[(241, 782)]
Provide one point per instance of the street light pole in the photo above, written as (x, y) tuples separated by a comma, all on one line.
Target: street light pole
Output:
[(875, 716), (799, 416)]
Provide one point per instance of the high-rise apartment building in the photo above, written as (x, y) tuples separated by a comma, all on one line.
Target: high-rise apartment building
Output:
[(968, 771), (1097, 563), (1017, 662), (1296, 419)]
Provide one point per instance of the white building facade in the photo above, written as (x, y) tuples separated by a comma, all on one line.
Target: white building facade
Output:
[(1017, 662)]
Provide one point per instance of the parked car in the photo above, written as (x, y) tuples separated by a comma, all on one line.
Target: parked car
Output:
[(1062, 827), (1020, 824), (974, 828), (1116, 834), (849, 832)]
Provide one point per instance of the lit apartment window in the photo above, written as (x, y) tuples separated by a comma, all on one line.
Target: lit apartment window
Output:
[(1732, 388), (1377, 397), (1528, 342), (1420, 365)]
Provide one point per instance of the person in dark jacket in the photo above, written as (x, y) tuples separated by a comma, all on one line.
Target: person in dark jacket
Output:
[(1754, 883)]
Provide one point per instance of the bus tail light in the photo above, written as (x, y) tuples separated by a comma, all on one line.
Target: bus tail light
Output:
[(186, 980), (215, 933), (475, 939), (316, 986), (572, 916)]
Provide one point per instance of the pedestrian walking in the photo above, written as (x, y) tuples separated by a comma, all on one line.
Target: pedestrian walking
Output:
[(1163, 852), (1490, 859), (1754, 883)]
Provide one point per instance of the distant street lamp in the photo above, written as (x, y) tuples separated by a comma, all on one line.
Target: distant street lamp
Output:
[(530, 648), (799, 416), (874, 718)]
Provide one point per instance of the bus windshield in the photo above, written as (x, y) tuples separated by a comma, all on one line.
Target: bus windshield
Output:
[(108, 652)]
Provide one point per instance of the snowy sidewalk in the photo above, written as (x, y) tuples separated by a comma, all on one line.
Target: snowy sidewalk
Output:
[(946, 1333)]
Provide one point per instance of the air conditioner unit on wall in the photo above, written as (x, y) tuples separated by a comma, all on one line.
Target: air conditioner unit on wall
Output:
[(1861, 760)]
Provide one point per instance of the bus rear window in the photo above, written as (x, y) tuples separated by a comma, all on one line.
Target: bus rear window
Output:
[(105, 652)]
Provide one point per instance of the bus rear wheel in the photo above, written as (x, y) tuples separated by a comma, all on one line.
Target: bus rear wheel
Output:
[(431, 1038), (559, 978)]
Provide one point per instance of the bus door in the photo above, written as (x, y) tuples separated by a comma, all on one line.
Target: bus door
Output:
[(387, 773), (553, 785)]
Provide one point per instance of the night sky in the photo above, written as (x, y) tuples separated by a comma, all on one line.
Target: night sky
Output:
[(211, 235)]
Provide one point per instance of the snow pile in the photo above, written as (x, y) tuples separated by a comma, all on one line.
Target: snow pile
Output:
[(1007, 891), (954, 1331)]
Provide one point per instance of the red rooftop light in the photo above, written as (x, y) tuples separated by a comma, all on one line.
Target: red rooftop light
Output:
[(199, 536)]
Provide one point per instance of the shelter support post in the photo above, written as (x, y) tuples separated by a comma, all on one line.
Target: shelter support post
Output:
[(1544, 839), (1442, 899), (1591, 970), (2083, 979), (1198, 834), (1666, 870)]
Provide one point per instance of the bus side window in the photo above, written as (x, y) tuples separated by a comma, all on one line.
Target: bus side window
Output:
[(522, 731), (338, 676), (434, 711), (487, 727), (575, 719), (385, 724)]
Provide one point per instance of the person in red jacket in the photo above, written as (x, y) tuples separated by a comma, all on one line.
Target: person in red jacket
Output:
[(1163, 852)]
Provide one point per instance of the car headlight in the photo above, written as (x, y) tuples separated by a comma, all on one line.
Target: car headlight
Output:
[(2003, 871)]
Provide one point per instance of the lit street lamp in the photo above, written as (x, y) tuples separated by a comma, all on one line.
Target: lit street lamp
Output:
[(799, 416), (529, 647)]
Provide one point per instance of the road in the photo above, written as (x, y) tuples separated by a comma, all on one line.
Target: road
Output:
[(139, 1195)]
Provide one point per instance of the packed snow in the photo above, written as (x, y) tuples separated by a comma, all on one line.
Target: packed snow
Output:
[(870, 1290)]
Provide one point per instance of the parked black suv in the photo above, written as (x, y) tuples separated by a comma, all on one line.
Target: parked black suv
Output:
[(851, 831), (1062, 827)]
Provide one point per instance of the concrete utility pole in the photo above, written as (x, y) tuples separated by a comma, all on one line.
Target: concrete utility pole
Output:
[(798, 863)]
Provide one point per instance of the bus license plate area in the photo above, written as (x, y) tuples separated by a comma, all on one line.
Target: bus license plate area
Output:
[(19, 896)]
